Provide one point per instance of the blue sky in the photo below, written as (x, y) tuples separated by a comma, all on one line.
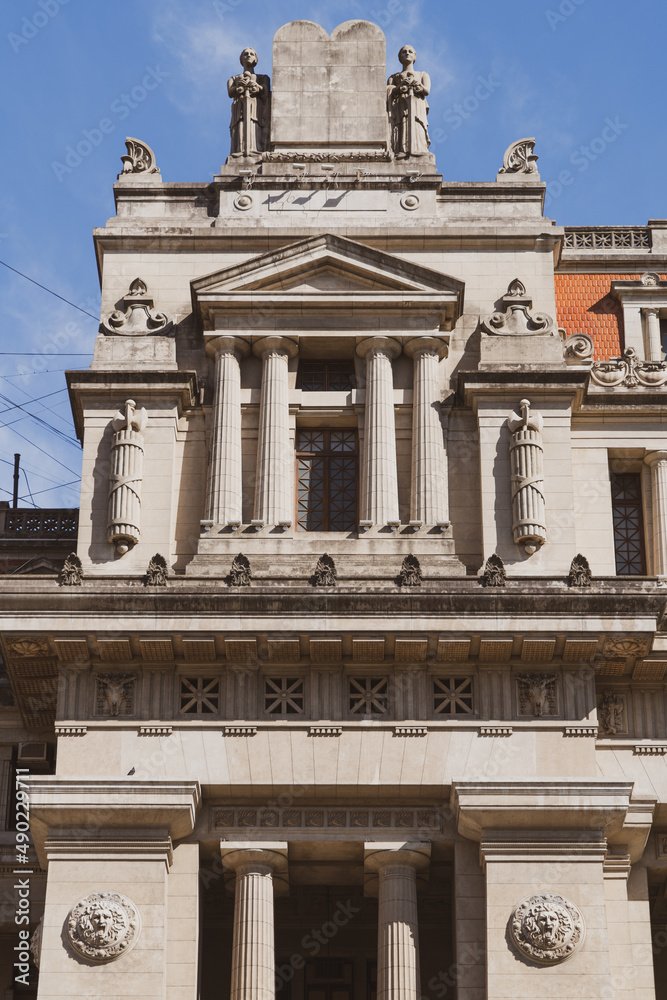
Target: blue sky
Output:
[(568, 72)]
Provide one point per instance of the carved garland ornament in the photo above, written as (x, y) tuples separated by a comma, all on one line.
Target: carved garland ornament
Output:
[(547, 928), (103, 926), (629, 371)]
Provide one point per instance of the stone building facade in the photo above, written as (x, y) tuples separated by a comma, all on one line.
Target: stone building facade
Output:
[(354, 686)]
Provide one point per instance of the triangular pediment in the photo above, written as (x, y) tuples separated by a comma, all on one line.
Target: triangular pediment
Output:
[(325, 264)]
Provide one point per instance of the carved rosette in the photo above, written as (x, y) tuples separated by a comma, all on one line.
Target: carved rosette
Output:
[(127, 459), (527, 462), (103, 926), (547, 928)]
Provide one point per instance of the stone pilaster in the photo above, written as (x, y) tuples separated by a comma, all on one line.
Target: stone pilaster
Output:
[(657, 462), (396, 866), (224, 501), (653, 343), (428, 491), (260, 870), (273, 489), (379, 502)]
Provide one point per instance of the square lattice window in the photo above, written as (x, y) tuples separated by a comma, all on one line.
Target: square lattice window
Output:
[(452, 695), (200, 695), (368, 695), (283, 695)]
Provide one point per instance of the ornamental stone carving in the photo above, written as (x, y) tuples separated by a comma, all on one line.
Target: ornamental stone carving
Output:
[(36, 943), (411, 572), (156, 574), (519, 158), (251, 108), (527, 463), (578, 349), (137, 318), (127, 460), (408, 108), (115, 694), (494, 572), (547, 928), (580, 572), (629, 371), (611, 714), (139, 159), (240, 574), (537, 694), (103, 926), (516, 319), (71, 575), (28, 647), (626, 647), (325, 574)]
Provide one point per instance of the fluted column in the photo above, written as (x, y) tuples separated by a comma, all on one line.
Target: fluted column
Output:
[(657, 461), (428, 490), (225, 468), (398, 930), (653, 343), (125, 477), (379, 502), (257, 869), (273, 487)]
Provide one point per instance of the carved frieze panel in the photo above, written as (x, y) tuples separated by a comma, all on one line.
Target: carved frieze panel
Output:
[(103, 926), (115, 694), (537, 694), (224, 819), (547, 928), (613, 714)]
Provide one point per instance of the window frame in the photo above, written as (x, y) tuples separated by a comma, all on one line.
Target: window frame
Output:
[(327, 455)]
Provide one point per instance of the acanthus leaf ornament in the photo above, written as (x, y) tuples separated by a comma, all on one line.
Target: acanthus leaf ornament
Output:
[(547, 928), (519, 158), (103, 926), (139, 159), (137, 318)]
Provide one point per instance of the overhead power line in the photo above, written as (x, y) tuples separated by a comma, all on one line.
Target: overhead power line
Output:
[(49, 290)]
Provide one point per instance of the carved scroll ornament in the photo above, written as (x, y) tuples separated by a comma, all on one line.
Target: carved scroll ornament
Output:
[(578, 348), (139, 159), (127, 459), (103, 926), (527, 463), (547, 928), (137, 318), (516, 319), (519, 158), (629, 371)]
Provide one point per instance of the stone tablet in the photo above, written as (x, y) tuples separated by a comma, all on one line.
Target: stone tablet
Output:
[(329, 92)]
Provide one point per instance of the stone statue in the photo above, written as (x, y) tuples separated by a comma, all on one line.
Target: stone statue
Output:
[(325, 574), (71, 575), (251, 110), (494, 574), (408, 107), (411, 572), (240, 574), (580, 572), (157, 572)]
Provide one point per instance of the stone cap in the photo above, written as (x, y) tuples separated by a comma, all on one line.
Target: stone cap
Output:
[(551, 804)]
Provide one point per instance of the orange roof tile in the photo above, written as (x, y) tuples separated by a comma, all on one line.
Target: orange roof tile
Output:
[(584, 305)]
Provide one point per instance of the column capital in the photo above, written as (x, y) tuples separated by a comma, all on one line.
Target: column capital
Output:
[(387, 345), (413, 854), (655, 458), (283, 345), (215, 346), (650, 311), (265, 857), (426, 345)]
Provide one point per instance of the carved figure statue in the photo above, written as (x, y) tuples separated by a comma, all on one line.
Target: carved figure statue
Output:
[(251, 110), (240, 574), (537, 693), (71, 575), (580, 572), (115, 694), (408, 108), (494, 572), (411, 572), (156, 574), (610, 713), (325, 572)]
